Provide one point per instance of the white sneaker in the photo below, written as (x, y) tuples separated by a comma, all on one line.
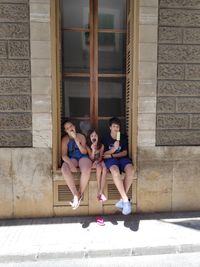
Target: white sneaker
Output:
[(126, 208), (119, 204)]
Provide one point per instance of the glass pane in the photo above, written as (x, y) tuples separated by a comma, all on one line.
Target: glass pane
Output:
[(75, 13), (103, 127), (75, 96), (75, 52), (111, 97), (112, 52), (112, 14)]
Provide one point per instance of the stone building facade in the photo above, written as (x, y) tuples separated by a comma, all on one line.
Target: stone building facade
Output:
[(168, 120)]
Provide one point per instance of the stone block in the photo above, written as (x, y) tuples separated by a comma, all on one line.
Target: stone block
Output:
[(14, 68), (68, 211), (173, 121), (42, 121), (96, 207), (166, 105), (40, 12), (195, 121), (191, 36), (14, 31), (154, 190), (186, 184), (179, 53), (15, 138), (14, 12), (42, 138), (148, 52), (171, 71), (40, 49), (155, 153), (3, 49), (146, 138), (170, 35), (148, 33), (41, 103), (15, 121), (147, 70), (178, 88), (180, 4), (40, 31), (149, 3), (146, 121), (147, 88), (186, 153), (177, 137), (18, 49), (14, 1), (41, 85), (6, 188), (188, 104), (32, 182), (149, 15), (110, 209), (192, 71), (179, 17), (40, 67), (168, 153), (15, 103), (15, 86), (146, 104), (40, 1)]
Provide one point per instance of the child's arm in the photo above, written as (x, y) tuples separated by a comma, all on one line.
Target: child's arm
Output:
[(101, 153), (81, 143), (120, 154), (65, 158), (90, 152)]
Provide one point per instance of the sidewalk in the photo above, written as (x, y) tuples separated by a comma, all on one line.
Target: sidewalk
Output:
[(78, 237)]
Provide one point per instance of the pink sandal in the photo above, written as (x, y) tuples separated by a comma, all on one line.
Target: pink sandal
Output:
[(100, 221), (101, 197)]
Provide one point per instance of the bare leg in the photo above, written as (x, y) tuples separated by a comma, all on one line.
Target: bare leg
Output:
[(98, 175), (85, 165), (118, 182), (103, 178), (69, 179), (129, 172)]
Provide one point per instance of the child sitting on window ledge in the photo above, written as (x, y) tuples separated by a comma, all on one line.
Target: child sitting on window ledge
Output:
[(116, 160)]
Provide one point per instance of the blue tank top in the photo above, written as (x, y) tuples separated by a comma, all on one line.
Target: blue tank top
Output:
[(73, 150)]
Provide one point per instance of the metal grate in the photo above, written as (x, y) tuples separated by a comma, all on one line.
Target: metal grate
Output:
[(64, 194), (113, 193)]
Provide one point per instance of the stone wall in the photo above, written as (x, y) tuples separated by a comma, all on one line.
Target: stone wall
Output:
[(168, 179), (178, 89), (148, 21), (168, 176), (15, 70), (25, 109)]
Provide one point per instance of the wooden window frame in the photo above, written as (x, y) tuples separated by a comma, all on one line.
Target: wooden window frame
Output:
[(57, 79)]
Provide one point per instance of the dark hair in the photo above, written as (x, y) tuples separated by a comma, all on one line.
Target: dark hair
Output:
[(88, 139), (114, 120), (67, 120)]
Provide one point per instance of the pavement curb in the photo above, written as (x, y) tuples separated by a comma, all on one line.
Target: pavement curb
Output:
[(135, 251)]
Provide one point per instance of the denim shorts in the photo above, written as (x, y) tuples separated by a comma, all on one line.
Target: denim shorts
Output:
[(120, 162), (78, 157)]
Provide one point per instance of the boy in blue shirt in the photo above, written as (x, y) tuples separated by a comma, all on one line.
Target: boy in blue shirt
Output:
[(116, 160)]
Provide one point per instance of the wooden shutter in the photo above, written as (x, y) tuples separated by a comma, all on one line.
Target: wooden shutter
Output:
[(131, 78), (56, 80)]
